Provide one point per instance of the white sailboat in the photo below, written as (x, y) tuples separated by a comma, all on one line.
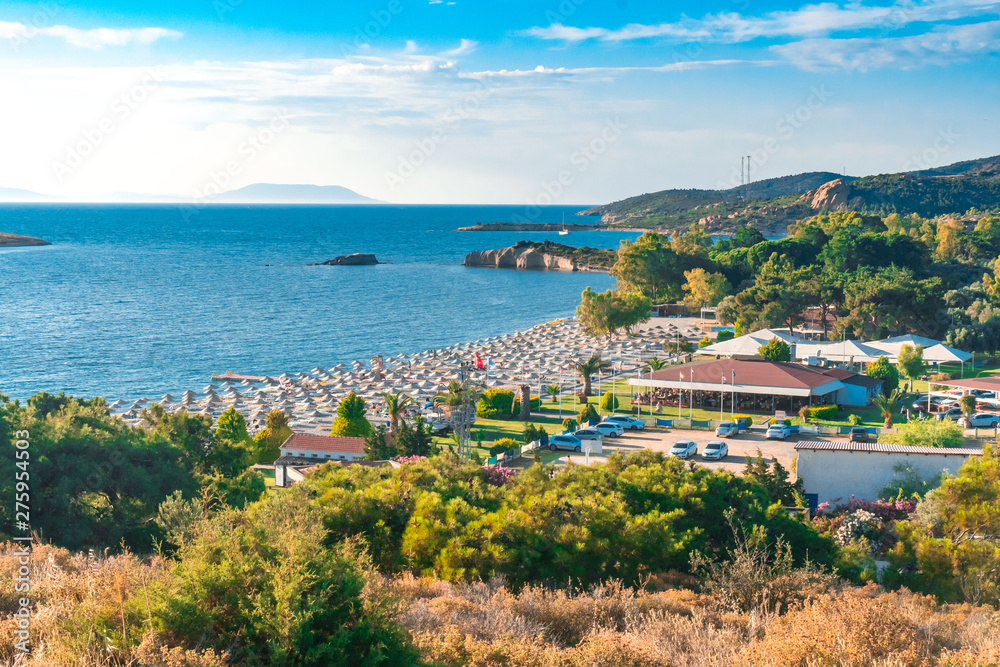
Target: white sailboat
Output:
[(564, 231)]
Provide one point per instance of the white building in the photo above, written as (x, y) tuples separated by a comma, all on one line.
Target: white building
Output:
[(838, 470), (303, 450)]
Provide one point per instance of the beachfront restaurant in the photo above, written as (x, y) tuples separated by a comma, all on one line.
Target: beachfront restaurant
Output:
[(743, 385)]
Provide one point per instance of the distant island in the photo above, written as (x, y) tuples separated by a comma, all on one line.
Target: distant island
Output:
[(545, 256), (258, 193), (529, 227), (14, 241), (965, 190)]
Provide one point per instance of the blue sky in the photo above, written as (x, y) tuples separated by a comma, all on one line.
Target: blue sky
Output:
[(578, 101)]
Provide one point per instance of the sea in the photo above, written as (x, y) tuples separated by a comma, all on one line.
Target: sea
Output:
[(136, 301)]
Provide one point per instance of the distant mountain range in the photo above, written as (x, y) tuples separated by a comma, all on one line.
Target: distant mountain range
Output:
[(771, 205), (258, 193)]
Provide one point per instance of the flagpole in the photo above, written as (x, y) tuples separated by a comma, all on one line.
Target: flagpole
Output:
[(691, 405), (722, 398)]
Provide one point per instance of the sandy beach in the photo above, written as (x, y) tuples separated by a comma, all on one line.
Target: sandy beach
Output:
[(544, 354)]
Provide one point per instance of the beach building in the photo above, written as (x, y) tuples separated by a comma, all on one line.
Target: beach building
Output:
[(753, 385), (303, 450), (838, 470), (845, 352)]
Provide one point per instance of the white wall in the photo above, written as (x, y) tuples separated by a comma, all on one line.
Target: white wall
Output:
[(853, 395), (840, 474)]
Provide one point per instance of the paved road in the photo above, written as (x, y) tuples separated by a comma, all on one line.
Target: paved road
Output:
[(740, 447)]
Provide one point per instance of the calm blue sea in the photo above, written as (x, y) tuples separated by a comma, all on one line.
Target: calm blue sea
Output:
[(137, 301)]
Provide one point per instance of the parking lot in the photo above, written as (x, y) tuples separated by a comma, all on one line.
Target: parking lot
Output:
[(741, 447)]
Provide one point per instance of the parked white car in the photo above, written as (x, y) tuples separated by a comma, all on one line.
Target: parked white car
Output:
[(716, 449), (589, 433), (627, 423), (569, 442), (727, 429), (610, 429), (777, 432), (684, 449), (980, 420)]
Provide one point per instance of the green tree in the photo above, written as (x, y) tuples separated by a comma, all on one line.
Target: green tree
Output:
[(702, 288), (887, 406), (351, 420), (725, 335), (883, 370), (395, 405), (553, 390), (927, 433), (587, 412), (97, 482), (777, 298), (415, 439), (232, 447), (911, 361), (380, 446), (609, 403), (968, 404), (704, 342), (269, 440), (656, 363), (991, 285), (948, 546), (649, 267), (609, 312), (775, 350), (586, 369), (192, 434), (265, 585)]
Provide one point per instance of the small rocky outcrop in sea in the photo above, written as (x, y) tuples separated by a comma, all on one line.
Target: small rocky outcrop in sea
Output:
[(14, 240), (354, 259), (523, 256)]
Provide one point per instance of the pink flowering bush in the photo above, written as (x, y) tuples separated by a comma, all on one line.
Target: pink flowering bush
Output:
[(497, 475), (863, 521), (886, 510), (410, 459)]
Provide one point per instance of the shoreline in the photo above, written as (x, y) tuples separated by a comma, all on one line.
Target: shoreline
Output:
[(543, 354)]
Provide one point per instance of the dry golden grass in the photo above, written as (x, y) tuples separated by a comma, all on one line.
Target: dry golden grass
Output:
[(81, 603)]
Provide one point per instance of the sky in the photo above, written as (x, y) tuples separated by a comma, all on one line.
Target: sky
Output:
[(454, 101)]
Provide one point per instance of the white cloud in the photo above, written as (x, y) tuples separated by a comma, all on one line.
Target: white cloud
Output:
[(808, 21), (89, 39), (464, 47), (941, 46)]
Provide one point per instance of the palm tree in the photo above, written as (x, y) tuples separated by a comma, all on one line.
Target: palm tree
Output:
[(887, 406), (457, 395), (655, 364), (586, 369), (553, 390), (395, 404)]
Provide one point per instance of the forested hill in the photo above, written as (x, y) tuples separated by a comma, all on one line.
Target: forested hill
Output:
[(771, 205)]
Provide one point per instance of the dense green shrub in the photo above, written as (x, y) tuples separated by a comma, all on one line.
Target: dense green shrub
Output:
[(503, 445), (824, 412), (748, 420), (854, 420), (725, 335), (265, 585), (500, 401), (484, 410), (609, 402), (587, 412), (570, 424), (638, 514)]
